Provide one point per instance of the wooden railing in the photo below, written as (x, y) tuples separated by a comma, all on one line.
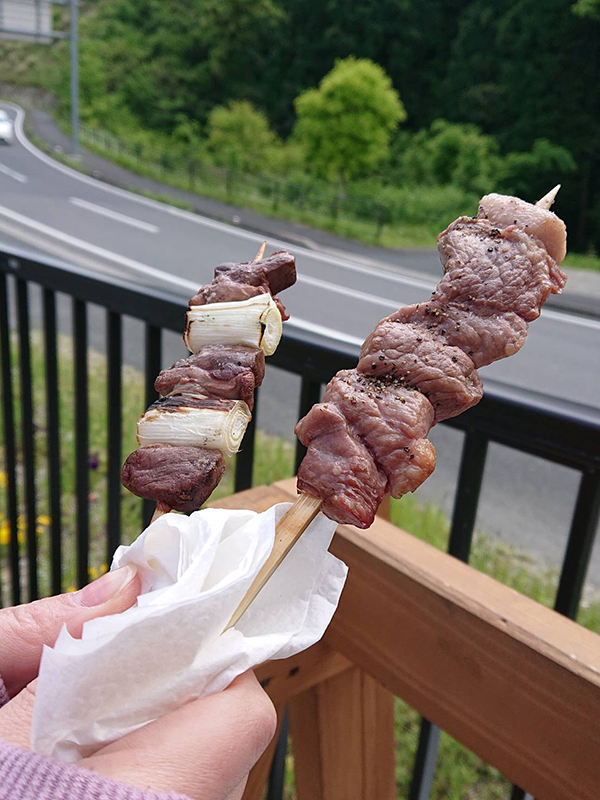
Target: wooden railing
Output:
[(514, 681)]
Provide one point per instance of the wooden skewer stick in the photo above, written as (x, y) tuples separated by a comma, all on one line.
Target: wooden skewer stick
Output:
[(261, 253), (289, 529), (163, 508), (547, 200)]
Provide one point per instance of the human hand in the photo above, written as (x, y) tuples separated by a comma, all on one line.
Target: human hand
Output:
[(203, 750)]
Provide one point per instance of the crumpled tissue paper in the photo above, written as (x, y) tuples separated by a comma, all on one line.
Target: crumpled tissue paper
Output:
[(131, 668)]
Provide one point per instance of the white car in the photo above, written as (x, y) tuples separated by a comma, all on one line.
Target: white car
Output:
[(7, 130)]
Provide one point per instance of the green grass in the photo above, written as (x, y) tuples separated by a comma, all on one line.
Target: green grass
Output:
[(580, 261), (460, 774)]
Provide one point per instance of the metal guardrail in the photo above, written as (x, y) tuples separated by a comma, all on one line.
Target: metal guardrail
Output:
[(560, 431)]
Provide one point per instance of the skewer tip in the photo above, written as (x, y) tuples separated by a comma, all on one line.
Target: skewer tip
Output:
[(261, 252), (161, 508), (547, 200)]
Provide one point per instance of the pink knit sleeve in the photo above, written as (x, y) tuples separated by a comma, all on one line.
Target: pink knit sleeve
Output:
[(29, 776)]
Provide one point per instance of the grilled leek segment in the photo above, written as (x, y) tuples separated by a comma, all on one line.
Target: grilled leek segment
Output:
[(255, 322), (211, 428)]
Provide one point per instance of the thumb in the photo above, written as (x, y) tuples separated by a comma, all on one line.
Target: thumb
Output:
[(24, 630)]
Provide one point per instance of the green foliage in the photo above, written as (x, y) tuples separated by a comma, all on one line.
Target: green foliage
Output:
[(345, 125), (450, 153), (530, 175), (588, 8), (158, 60), (239, 137)]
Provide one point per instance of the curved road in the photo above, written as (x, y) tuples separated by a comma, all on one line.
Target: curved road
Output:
[(49, 207)]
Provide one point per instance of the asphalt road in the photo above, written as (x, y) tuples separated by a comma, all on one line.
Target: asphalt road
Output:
[(50, 208)]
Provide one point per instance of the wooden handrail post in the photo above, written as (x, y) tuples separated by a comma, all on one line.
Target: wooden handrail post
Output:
[(342, 734)]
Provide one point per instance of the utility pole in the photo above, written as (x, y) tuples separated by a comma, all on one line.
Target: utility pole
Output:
[(74, 78)]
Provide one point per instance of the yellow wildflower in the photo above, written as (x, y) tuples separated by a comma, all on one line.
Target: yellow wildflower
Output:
[(3, 480), (43, 520), (5, 532), (71, 589)]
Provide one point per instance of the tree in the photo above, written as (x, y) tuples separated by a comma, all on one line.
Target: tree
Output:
[(531, 70), (450, 153), (588, 8), (345, 125), (239, 137), (530, 175)]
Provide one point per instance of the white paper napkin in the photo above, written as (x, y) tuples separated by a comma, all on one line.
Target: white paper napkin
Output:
[(128, 669)]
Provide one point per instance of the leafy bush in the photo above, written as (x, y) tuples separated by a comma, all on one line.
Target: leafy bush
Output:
[(449, 153), (531, 175), (239, 137)]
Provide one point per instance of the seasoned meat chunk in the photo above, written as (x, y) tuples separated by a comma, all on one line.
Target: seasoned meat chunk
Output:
[(392, 421), (338, 468), (484, 337), (181, 477), (489, 270), (242, 281), (415, 357), (225, 371), (502, 211)]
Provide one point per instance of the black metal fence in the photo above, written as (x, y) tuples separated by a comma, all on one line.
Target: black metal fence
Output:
[(560, 431)]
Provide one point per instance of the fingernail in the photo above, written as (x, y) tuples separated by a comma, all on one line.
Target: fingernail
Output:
[(106, 587)]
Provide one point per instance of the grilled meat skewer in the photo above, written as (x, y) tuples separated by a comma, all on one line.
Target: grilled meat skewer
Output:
[(419, 366), (206, 399)]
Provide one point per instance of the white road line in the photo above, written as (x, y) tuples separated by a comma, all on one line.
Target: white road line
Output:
[(557, 316), (12, 174), (130, 263), (313, 327), (147, 270), (97, 266), (364, 297), (108, 212)]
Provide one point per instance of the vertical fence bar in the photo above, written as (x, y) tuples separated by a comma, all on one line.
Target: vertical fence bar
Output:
[(519, 794), (244, 461), (470, 477), (579, 546), (276, 782), (310, 393), (466, 501), (152, 368), (27, 434), (81, 439), (10, 449), (114, 337), (425, 761), (53, 439)]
